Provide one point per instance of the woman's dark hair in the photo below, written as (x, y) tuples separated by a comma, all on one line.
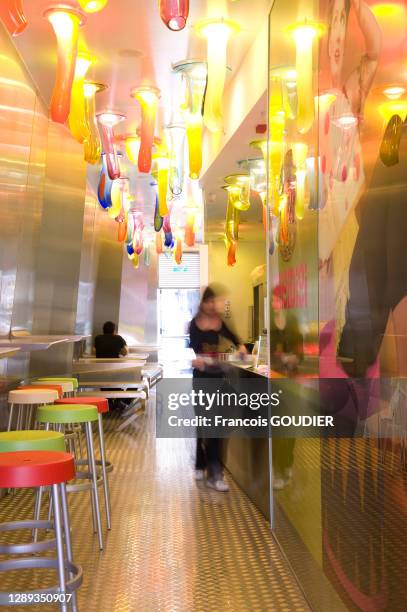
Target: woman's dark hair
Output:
[(207, 295), (109, 327)]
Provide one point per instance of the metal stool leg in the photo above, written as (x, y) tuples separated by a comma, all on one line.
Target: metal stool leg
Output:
[(104, 473), (60, 545), (92, 465), (67, 532), (10, 417), (37, 510)]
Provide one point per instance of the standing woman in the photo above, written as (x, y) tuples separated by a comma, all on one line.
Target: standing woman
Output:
[(205, 332)]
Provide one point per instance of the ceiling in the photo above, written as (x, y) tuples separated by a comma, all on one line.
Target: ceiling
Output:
[(132, 47)]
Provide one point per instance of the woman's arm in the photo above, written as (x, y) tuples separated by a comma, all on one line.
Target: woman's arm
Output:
[(360, 81), (229, 335)]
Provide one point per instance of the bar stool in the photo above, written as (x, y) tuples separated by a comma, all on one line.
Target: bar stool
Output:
[(102, 405), (32, 469), (85, 415), (67, 385), (31, 386), (26, 400), (71, 379)]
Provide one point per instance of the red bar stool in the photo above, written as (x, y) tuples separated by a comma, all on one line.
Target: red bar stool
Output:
[(26, 400), (33, 469), (102, 406)]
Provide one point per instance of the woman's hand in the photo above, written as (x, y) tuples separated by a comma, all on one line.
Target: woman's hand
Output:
[(241, 349), (198, 364)]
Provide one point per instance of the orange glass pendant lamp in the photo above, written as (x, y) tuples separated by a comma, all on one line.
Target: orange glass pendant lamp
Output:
[(159, 243), (304, 33), (175, 133), (13, 17), (92, 6), (65, 21), (92, 143), (77, 118), (148, 98), (231, 230), (238, 188), (190, 227), (195, 75), (107, 121), (300, 151), (178, 251), (217, 33), (161, 173), (174, 13)]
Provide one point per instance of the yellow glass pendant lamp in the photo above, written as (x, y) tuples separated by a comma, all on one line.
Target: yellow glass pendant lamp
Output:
[(132, 145), (77, 119), (217, 33), (92, 6), (161, 173), (92, 143), (65, 21), (238, 188), (195, 74), (304, 32), (300, 151), (148, 98)]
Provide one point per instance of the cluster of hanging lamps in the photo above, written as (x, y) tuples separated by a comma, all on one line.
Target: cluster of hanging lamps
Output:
[(194, 74), (65, 21), (148, 98), (92, 6), (13, 16), (217, 33), (92, 143), (108, 119), (174, 13)]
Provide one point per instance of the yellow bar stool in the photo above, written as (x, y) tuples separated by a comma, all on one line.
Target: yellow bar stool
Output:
[(25, 401), (58, 417), (71, 379), (67, 385)]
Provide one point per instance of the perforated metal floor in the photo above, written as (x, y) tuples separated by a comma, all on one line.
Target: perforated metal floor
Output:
[(175, 546)]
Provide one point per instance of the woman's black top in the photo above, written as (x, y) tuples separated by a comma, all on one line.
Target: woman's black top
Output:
[(207, 341)]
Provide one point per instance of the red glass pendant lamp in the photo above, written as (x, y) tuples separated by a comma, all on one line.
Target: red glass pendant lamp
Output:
[(174, 13)]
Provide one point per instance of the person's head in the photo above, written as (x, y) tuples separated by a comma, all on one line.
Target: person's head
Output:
[(278, 296), (109, 327), (337, 22), (212, 300)]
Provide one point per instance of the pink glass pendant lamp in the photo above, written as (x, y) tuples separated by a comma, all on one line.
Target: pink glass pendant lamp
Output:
[(65, 21), (174, 13), (13, 17), (148, 98), (107, 120)]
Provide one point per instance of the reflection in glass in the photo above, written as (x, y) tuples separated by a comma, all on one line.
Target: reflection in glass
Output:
[(92, 143), (13, 17)]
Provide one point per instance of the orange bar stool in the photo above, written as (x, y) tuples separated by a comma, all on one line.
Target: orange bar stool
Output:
[(32, 386), (33, 469), (26, 400), (57, 379), (102, 406)]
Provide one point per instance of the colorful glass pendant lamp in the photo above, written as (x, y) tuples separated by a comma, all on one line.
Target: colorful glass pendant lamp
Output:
[(304, 33), (195, 74), (92, 6), (108, 119), (13, 17), (148, 98), (65, 21), (174, 13), (231, 229), (132, 145), (92, 143), (394, 113), (238, 189), (175, 133), (105, 186), (217, 33), (161, 173)]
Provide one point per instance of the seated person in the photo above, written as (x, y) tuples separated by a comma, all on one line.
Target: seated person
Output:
[(110, 345)]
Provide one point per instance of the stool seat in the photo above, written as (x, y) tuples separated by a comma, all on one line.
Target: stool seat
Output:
[(22, 469), (67, 386), (101, 403), (27, 440), (32, 396), (31, 387), (75, 413), (71, 379)]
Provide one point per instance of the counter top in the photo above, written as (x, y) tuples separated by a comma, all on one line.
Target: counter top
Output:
[(8, 352), (36, 343)]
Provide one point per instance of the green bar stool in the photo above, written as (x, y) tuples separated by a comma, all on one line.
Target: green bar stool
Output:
[(83, 414)]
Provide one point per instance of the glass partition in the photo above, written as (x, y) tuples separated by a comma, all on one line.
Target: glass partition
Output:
[(337, 227)]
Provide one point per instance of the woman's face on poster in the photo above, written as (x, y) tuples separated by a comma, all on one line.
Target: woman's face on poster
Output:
[(337, 36)]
